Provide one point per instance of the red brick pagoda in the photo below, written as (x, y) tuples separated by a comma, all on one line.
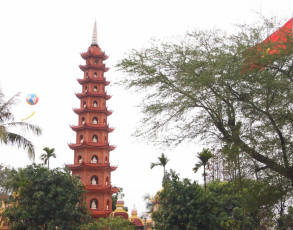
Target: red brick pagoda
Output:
[(92, 149)]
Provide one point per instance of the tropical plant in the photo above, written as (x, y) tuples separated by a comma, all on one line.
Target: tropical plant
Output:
[(204, 157), (45, 199), (5, 173), (113, 223), (184, 205), (7, 122), (46, 156), (163, 160)]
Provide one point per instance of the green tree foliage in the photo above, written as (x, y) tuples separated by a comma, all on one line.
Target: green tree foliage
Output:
[(163, 160), (47, 155), (246, 206), (184, 205), (286, 222), (219, 87), (224, 205), (7, 123), (4, 178), (44, 199), (204, 157), (113, 223)]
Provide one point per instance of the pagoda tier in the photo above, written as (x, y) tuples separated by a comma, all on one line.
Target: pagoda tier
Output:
[(92, 127), (93, 80), (93, 94), (91, 145), (94, 51), (109, 189), (93, 109), (91, 66)]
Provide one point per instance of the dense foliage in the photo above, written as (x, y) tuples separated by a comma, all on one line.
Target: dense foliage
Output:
[(228, 89), (44, 199), (5, 173), (184, 205), (245, 204), (112, 223)]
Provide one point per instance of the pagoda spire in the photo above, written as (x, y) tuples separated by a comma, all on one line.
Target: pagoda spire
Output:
[(95, 35)]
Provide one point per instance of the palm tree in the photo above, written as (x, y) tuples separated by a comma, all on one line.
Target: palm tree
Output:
[(7, 122), (204, 157), (163, 160), (48, 153)]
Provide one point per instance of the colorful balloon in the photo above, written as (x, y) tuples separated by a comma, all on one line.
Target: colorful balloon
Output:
[(32, 99)]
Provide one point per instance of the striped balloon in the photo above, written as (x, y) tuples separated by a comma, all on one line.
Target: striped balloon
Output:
[(32, 99)]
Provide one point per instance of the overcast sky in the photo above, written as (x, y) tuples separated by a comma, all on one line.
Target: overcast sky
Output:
[(40, 48)]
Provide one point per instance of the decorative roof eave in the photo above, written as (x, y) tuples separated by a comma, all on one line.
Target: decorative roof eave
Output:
[(92, 127), (93, 166), (95, 188), (90, 94), (136, 221), (91, 145), (120, 213), (88, 54), (94, 80), (98, 188), (98, 214), (89, 66), (114, 189), (93, 109)]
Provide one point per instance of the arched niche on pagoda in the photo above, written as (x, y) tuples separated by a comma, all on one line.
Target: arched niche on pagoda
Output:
[(108, 205), (84, 104), (94, 180), (94, 204), (95, 138), (82, 120), (95, 120), (79, 159), (95, 103), (95, 159), (81, 139)]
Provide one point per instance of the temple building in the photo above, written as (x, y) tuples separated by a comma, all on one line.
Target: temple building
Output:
[(3, 220), (135, 219), (92, 149), (120, 209)]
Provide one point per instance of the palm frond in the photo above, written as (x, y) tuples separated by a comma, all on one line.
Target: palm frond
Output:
[(20, 141), (154, 164), (26, 127), (163, 160), (5, 113), (196, 167)]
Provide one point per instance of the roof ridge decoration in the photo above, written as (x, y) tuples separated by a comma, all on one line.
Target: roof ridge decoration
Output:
[(95, 35)]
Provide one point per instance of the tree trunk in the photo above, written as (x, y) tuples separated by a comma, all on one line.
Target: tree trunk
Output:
[(204, 177)]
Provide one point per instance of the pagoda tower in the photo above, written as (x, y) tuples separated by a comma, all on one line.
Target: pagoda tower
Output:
[(92, 149)]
